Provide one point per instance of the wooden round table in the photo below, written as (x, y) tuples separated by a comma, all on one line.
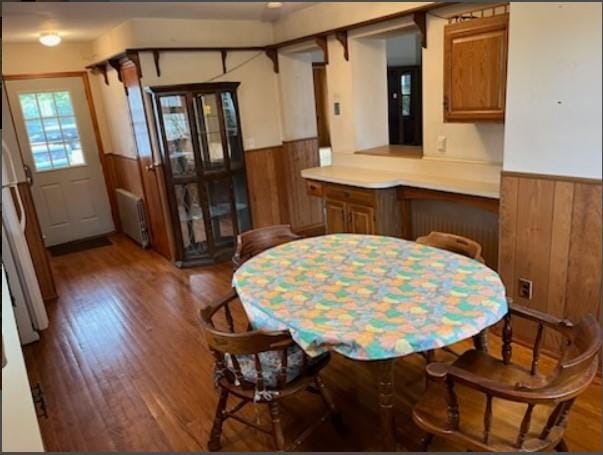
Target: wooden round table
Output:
[(370, 298)]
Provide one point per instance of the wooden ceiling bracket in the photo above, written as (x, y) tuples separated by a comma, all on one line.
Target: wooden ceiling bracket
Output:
[(342, 37), (134, 57), (419, 18), (116, 65), (321, 41), (224, 54), (272, 54), (101, 68), (156, 55)]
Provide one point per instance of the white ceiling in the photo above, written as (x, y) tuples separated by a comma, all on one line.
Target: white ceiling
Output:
[(85, 21)]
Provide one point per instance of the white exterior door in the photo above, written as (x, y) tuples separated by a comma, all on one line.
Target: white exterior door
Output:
[(58, 142)]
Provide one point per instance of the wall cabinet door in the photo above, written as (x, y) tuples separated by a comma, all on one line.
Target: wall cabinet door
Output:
[(361, 219), (475, 69), (336, 217)]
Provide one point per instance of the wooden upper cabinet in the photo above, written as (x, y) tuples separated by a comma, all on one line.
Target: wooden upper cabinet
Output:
[(475, 69)]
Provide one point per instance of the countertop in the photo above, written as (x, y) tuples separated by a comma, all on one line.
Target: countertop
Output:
[(378, 179)]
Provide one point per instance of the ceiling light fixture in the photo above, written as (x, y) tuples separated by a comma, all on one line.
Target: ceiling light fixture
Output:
[(274, 4), (50, 39)]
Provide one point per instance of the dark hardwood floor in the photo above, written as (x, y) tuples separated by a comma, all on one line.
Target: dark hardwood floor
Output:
[(124, 366)]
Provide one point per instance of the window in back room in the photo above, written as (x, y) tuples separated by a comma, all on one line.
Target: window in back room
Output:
[(404, 89)]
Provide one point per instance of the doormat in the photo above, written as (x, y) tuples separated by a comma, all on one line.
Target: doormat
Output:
[(79, 245)]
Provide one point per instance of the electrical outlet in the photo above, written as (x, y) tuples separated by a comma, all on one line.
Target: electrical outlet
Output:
[(441, 144), (525, 288), (336, 108)]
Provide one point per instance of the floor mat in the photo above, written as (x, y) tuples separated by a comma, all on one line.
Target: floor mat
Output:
[(79, 245)]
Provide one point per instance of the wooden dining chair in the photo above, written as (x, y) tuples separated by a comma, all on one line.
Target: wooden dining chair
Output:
[(260, 367), (531, 408), (253, 242), (465, 247), (453, 243)]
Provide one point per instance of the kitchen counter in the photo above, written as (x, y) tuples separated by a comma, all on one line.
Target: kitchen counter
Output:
[(380, 179)]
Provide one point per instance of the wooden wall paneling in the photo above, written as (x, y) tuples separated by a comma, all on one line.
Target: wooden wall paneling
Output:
[(507, 232), (305, 212), (35, 242), (559, 247), (266, 186), (584, 265), (532, 258), (550, 233), (127, 174)]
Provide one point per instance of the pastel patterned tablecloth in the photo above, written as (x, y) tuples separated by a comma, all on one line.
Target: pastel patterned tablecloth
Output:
[(369, 297)]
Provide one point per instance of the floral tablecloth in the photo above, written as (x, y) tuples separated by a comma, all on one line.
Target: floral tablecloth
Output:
[(369, 297)]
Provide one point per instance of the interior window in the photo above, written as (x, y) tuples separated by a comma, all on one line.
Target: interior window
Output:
[(52, 130)]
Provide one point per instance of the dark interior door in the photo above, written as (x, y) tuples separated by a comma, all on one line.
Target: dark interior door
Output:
[(405, 113)]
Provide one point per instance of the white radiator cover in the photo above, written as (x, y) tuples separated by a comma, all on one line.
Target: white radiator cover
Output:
[(132, 217)]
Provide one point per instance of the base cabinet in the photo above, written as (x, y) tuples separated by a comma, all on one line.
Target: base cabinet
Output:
[(358, 210)]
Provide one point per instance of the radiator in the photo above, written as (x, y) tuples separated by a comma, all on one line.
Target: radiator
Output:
[(132, 217), (458, 219)]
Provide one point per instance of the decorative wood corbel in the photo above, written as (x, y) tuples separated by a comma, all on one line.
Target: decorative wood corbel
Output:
[(223, 54), (321, 41), (134, 57), (116, 65), (102, 68), (272, 54), (419, 18), (342, 37), (156, 55)]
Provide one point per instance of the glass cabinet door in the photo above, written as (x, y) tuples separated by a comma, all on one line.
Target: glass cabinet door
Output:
[(209, 129), (177, 135), (233, 132), (223, 224)]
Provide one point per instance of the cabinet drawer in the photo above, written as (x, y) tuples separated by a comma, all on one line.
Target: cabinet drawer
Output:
[(349, 194), (314, 188)]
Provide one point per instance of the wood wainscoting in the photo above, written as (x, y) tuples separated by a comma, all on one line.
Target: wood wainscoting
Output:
[(277, 191), (306, 214), (267, 187), (550, 234), (126, 173)]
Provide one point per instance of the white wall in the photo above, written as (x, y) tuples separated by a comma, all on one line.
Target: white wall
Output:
[(296, 85), (553, 108)]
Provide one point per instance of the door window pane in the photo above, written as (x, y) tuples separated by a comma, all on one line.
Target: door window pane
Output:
[(405, 105), (52, 131), (405, 84), (178, 135), (210, 138), (235, 151)]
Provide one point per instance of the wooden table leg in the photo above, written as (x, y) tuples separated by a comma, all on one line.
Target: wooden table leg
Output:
[(385, 389)]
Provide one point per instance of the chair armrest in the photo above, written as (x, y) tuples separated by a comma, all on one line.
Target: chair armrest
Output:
[(538, 316), (441, 372)]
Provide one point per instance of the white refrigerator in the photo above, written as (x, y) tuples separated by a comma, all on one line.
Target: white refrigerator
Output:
[(26, 298)]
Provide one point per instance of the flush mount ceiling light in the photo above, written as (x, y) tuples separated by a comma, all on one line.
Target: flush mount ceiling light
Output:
[(274, 4), (49, 39)]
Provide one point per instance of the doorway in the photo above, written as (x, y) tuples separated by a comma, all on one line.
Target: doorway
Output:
[(405, 111), (321, 101), (59, 145)]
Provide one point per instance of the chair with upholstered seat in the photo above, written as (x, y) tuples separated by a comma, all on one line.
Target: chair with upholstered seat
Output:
[(253, 242), (260, 367), (490, 404), (465, 247)]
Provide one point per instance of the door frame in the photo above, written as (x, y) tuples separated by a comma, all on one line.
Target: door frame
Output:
[(107, 174), (393, 77)]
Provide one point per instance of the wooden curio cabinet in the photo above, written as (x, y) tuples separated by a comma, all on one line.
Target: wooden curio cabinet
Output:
[(201, 141)]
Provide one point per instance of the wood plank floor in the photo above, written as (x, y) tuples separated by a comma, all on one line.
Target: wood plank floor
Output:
[(124, 366)]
